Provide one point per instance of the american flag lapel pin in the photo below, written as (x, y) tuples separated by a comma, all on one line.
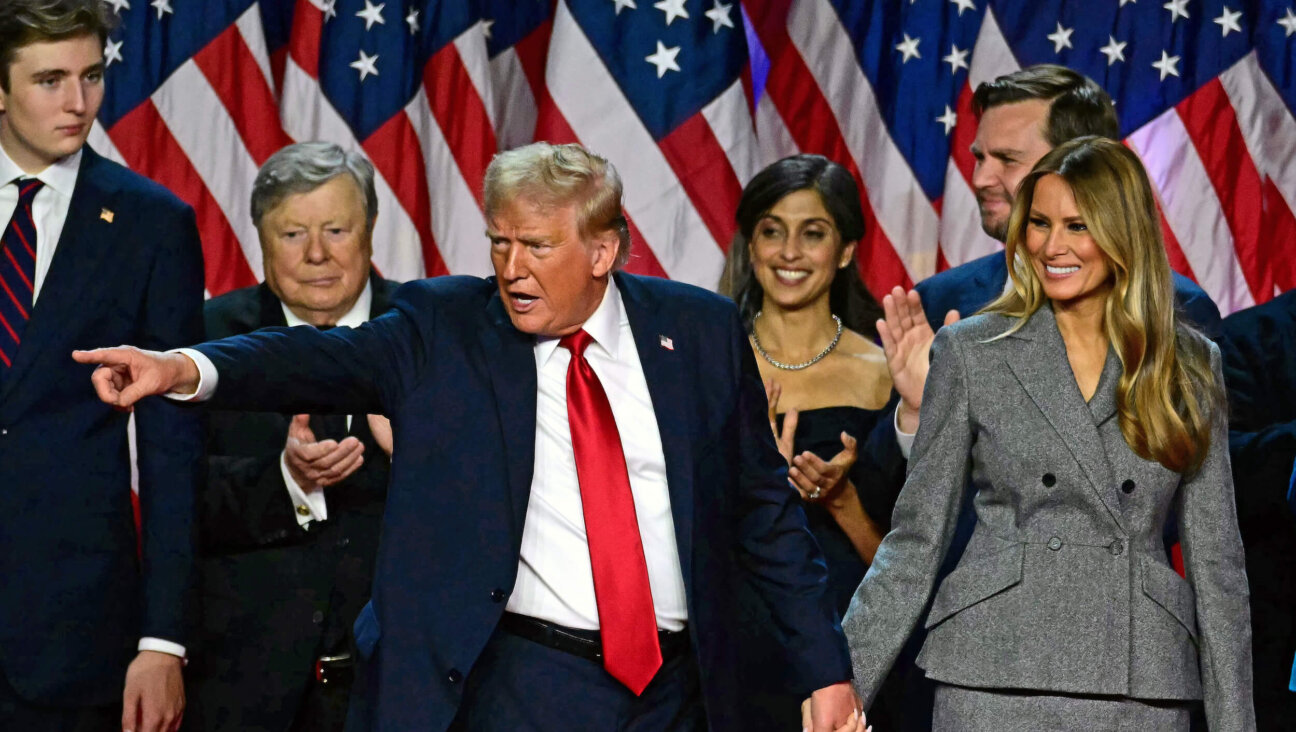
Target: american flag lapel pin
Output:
[(106, 215), (666, 343)]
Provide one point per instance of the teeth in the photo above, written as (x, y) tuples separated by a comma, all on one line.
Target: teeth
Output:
[(1062, 270), (524, 300), (792, 274)]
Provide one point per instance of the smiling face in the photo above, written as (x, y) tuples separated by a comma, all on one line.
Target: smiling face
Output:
[(1070, 265), (796, 251), (1009, 141), (317, 247), (55, 89), (550, 277)]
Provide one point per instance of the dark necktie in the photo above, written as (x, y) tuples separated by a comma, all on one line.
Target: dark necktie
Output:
[(17, 271), (627, 620)]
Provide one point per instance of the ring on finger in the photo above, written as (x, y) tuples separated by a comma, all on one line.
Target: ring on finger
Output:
[(814, 494)]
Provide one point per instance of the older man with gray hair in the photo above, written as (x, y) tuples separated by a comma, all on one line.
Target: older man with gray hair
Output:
[(584, 478), (291, 511)]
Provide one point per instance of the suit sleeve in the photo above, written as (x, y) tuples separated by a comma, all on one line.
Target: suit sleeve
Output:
[(881, 467), (363, 370), (776, 546), (1215, 567), (890, 600), (246, 505), (169, 435)]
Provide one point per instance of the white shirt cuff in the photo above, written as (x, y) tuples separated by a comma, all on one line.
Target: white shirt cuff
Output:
[(308, 505), (161, 646), (904, 439), (207, 377)]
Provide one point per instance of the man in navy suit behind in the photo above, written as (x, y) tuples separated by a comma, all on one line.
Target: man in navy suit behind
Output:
[(93, 616), (536, 414)]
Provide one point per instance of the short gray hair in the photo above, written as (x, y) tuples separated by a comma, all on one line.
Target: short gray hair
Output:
[(305, 166), (561, 175)]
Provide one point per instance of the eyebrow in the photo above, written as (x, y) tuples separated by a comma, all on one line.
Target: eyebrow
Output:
[(60, 73)]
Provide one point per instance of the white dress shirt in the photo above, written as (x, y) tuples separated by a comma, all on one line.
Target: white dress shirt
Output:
[(49, 212), (49, 208), (309, 500), (555, 581)]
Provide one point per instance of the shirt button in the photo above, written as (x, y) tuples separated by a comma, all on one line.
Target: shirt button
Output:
[(343, 543), (1049, 480), (1055, 543), (303, 510), (4, 431), (1116, 548), (454, 676), (1127, 487), (497, 595), (317, 617)]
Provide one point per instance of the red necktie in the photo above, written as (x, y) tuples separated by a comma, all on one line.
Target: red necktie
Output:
[(627, 620)]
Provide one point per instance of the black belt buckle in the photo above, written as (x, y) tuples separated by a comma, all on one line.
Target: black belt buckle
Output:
[(339, 669)]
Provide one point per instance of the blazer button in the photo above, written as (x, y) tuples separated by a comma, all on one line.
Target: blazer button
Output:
[(497, 595), (317, 617), (343, 543), (1116, 548), (454, 676), (1127, 487), (1049, 480), (1055, 543)]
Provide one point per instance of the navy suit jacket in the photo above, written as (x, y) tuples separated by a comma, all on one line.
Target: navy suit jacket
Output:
[(459, 383), (78, 588)]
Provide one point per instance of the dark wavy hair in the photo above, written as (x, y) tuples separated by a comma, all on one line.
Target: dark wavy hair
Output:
[(848, 298)]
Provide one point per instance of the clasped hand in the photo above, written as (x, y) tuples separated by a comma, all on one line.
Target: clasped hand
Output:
[(814, 478)]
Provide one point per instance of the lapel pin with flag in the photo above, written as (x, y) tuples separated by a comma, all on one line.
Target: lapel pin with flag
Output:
[(106, 215), (666, 343)]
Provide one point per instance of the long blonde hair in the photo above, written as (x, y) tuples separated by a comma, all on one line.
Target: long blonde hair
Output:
[(1167, 392)]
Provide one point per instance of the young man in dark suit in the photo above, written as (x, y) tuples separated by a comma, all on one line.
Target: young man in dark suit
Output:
[(93, 615), (290, 514), (583, 473)]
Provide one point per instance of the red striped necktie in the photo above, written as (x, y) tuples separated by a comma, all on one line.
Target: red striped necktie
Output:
[(627, 620), (17, 271)]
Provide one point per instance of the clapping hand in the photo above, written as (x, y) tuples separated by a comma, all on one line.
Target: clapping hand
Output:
[(317, 464), (906, 340)]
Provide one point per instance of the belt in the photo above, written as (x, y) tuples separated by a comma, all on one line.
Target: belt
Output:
[(338, 669), (583, 643)]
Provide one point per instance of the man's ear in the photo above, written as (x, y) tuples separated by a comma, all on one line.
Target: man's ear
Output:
[(603, 251)]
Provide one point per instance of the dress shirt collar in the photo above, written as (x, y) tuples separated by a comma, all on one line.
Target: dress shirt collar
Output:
[(357, 316), (604, 326), (61, 176)]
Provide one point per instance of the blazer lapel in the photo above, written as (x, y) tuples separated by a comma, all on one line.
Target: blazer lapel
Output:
[(79, 257), (664, 371), (1040, 365), (510, 359)]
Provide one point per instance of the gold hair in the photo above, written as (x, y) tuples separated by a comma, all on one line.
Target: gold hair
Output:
[(1167, 391)]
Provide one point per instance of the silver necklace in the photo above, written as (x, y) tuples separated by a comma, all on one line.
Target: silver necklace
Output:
[(794, 366)]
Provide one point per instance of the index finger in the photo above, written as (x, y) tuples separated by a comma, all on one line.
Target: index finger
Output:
[(104, 356)]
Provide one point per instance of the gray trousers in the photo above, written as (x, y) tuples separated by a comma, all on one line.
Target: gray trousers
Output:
[(962, 709)]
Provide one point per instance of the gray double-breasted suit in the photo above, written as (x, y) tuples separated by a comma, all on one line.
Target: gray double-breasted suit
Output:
[(1065, 585)]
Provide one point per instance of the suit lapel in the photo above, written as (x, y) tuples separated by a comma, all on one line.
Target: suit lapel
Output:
[(78, 259), (1039, 362), (510, 359), (664, 372)]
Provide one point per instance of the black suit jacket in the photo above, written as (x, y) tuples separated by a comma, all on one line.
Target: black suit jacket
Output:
[(276, 595), (1259, 349), (459, 382), (78, 588)]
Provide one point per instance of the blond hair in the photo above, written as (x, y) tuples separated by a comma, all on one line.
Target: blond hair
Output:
[(1167, 390), (561, 175)]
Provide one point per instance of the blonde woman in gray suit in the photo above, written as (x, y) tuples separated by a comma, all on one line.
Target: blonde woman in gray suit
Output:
[(1085, 415)]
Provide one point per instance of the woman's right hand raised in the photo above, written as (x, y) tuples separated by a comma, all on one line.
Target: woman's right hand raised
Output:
[(906, 339)]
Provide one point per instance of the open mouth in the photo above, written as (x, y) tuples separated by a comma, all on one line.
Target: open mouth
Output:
[(1061, 271), (522, 303)]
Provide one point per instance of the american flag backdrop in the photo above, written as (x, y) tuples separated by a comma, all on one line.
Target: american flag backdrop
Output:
[(689, 98)]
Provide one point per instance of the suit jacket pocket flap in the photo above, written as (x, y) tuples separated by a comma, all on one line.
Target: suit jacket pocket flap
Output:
[(976, 580), (1172, 592)]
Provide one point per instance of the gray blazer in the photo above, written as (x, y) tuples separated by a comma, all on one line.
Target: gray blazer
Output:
[(1065, 584)]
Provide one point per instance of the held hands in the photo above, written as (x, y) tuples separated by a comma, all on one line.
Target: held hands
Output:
[(154, 698), (814, 479), (317, 464), (906, 340), (834, 708), (127, 374)]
